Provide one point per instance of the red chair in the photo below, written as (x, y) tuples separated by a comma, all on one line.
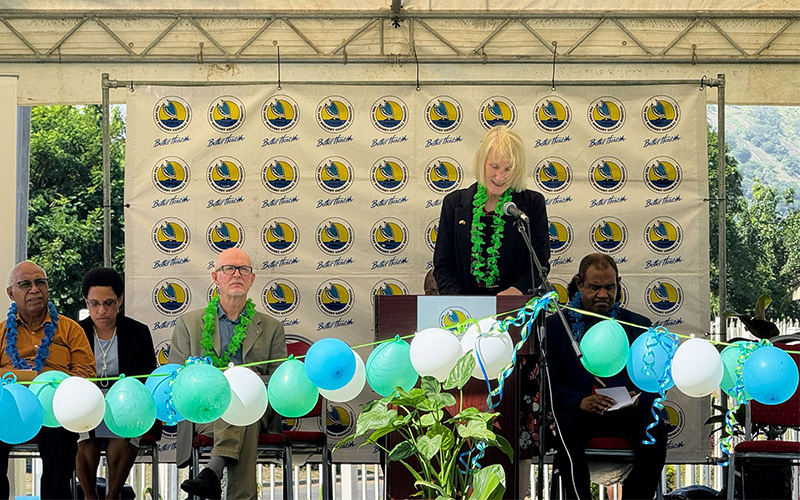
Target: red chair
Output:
[(786, 415)]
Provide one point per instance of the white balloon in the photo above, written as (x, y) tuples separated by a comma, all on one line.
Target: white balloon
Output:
[(435, 352), (353, 388), (248, 396), (495, 348), (78, 405), (697, 368)]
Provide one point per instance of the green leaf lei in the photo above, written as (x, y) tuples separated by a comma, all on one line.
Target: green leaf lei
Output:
[(239, 332), (486, 271)]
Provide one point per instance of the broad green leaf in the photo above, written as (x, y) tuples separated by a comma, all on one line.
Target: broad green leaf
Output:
[(430, 385), (401, 451), (428, 419), (476, 429), (489, 483), (504, 446), (429, 447), (460, 373), (437, 401), (379, 433), (411, 398), (376, 418), (432, 486), (448, 439)]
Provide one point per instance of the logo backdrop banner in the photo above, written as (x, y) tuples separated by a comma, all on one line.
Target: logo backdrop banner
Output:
[(336, 191)]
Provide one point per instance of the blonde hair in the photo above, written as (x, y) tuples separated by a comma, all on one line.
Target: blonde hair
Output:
[(508, 145)]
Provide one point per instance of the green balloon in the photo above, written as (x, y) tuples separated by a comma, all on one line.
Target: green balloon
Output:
[(130, 408), (730, 360), (389, 366), (201, 393), (290, 392), (605, 349), (45, 394)]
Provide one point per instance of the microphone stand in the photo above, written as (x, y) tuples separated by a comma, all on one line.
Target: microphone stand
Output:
[(545, 286)]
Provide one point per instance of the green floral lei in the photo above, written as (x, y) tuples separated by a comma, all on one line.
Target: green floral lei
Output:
[(486, 271), (239, 332)]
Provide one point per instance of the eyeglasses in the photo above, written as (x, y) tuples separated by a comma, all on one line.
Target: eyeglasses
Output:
[(94, 304), (243, 270), (26, 285)]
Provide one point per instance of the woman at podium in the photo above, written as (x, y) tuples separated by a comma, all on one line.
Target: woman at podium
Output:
[(478, 249)]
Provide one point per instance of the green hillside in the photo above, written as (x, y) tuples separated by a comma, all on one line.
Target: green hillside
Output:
[(765, 140)]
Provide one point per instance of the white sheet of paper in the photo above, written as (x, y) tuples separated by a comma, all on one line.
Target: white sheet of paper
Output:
[(619, 395)]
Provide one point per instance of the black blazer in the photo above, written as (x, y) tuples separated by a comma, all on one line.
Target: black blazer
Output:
[(571, 382), (135, 344), (453, 254)]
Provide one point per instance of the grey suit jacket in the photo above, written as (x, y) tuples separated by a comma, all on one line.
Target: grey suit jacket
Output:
[(265, 340)]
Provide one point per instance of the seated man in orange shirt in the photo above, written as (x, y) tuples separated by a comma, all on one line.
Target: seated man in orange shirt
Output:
[(36, 339)]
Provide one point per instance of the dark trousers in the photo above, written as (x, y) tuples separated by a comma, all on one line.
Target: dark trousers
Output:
[(578, 427), (57, 448)]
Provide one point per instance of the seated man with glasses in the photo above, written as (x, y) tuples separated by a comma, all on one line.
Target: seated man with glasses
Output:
[(37, 339), (120, 345), (228, 330)]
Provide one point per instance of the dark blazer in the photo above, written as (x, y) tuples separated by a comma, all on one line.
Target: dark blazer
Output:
[(135, 344), (453, 253), (571, 382)]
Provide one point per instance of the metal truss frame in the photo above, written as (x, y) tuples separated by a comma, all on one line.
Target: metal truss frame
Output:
[(398, 36)]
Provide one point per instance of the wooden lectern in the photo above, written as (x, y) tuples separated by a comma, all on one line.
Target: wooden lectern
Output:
[(397, 315)]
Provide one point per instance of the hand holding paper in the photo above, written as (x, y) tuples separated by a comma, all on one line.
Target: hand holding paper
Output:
[(620, 396)]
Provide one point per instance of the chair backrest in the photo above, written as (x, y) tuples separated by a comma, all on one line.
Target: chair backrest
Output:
[(298, 345), (787, 413)]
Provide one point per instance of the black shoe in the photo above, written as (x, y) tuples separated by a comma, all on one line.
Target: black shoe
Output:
[(205, 485)]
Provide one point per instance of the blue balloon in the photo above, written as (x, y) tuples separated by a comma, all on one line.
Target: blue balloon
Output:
[(770, 375), (656, 361), (21, 413), (160, 388), (330, 364)]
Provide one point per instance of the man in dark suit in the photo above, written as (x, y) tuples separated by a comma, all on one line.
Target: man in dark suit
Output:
[(582, 414), (239, 335)]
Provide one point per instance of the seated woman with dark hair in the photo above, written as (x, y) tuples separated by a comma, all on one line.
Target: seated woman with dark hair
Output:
[(120, 345)]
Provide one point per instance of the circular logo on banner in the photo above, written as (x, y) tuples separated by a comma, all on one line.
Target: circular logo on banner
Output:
[(225, 174), (172, 114), (170, 235), (224, 233), (280, 113), (388, 287), (335, 236), (443, 114), (676, 418), (431, 231), (663, 296), (553, 175), (560, 233), (279, 174), (389, 236), (334, 114), (663, 235), (497, 110), (560, 286), (452, 316), (389, 175), (623, 294), (335, 297), (661, 113), (389, 114), (443, 175), (280, 297), (608, 174), (662, 174), (340, 420), (171, 296), (279, 236), (226, 114), (608, 235), (212, 291), (171, 174), (606, 114), (162, 352), (334, 174), (552, 114)]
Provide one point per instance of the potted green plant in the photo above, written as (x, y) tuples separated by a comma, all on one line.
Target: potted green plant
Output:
[(425, 431)]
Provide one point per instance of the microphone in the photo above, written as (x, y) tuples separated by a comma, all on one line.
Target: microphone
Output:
[(510, 208)]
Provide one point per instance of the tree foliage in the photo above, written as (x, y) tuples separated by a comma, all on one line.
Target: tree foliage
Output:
[(65, 217)]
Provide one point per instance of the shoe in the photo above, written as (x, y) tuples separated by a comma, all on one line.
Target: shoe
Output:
[(205, 485)]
